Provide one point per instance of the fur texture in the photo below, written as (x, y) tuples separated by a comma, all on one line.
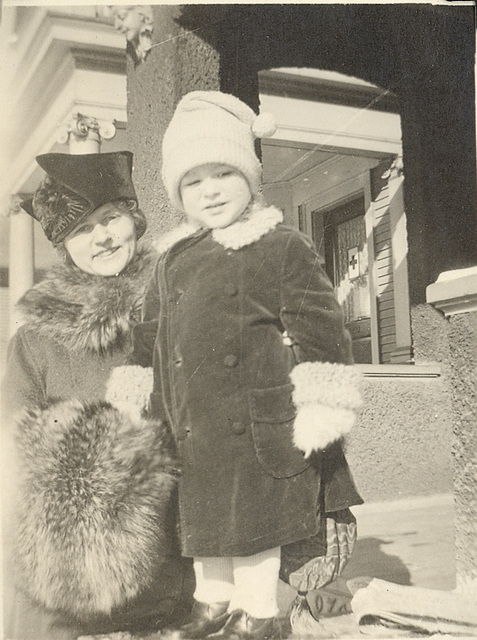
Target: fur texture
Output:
[(83, 311), (330, 383), (97, 490), (326, 396), (258, 221), (317, 425)]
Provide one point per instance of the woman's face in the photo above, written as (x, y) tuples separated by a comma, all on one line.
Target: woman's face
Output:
[(105, 242)]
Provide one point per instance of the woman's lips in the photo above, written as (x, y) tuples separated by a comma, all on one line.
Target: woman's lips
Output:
[(106, 253)]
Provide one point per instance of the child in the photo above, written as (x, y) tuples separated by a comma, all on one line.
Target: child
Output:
[(251, 369)]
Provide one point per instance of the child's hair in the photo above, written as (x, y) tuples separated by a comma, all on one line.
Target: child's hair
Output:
[(212, 127)]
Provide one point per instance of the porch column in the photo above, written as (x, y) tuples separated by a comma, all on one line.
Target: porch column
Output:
[(455, 295), (84, 134), (21, 258)]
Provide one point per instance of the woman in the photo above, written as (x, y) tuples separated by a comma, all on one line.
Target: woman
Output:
[(92, 519)]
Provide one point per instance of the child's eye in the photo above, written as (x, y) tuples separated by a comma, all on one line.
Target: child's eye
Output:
[(225, 173), (191, 183)]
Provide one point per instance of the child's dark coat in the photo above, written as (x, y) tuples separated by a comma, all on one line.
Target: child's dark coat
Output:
[(223, 300)]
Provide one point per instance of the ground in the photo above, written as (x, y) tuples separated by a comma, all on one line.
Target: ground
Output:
[(406, 542)]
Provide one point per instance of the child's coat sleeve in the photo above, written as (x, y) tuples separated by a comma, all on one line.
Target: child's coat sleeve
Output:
[(144, 338), (144, 333), (326, 385)]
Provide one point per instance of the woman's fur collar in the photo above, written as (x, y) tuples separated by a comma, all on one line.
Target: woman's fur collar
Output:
[(247, 230), (84, 311)]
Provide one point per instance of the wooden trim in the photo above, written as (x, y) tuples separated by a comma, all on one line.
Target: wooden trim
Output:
[(98, 60), (411, 371), (369, 225), (397, 216), (328, 91)]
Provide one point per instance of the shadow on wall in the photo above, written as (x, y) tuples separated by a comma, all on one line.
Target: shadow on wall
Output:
[(369, 559)]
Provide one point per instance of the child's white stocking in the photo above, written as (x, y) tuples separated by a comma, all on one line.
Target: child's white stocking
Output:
[(256, 583), (214, 579)]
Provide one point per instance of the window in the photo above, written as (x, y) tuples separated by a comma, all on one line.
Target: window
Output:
[(341, 233)]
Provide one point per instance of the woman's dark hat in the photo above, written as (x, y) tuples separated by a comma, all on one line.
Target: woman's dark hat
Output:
[(85, 182)]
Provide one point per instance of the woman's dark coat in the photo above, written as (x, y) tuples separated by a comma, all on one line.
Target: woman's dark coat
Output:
[(222, 301), (77, 328)]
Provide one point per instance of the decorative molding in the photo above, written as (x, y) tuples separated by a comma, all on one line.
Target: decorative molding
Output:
[(100, 60), (14, 207), (82, 127), (454, 292), (396, 170), (136, 23)]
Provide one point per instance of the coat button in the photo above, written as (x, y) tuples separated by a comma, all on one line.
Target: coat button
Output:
[(231, 289), (238, 428), (230, 360), (177, 358)]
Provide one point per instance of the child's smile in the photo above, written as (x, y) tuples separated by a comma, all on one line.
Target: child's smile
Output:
[(214, 195)]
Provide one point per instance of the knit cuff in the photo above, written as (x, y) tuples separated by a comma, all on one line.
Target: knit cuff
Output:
[(129, 388), (326, 383), (326, 396)]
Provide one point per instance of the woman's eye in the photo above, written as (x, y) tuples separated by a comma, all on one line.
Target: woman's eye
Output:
[(83, 229)]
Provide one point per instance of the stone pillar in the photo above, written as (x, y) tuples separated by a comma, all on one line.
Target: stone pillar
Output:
[(183, 57), (21, 258), (455, 294)]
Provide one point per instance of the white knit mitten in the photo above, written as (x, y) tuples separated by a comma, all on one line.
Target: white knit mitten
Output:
[(326, 396), (128, 389)]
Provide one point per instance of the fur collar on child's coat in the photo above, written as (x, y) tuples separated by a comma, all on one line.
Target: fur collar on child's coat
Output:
[(257, 222), (84, 311)]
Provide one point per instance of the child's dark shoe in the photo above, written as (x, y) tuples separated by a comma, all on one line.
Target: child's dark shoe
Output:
[(243, 626), (204, 620)]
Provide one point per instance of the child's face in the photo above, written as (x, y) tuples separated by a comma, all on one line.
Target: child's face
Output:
[(214, 195)]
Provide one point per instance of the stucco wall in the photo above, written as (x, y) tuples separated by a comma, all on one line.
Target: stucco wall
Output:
[(401, 445), (463, 337)]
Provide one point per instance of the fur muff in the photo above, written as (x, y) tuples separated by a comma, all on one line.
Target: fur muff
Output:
[(97, 491)]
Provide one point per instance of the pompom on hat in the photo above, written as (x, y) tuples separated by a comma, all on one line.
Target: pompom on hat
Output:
[(76, 185), (212, 127)]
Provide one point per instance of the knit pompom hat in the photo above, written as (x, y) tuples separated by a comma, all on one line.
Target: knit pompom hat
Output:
[(212, 127)]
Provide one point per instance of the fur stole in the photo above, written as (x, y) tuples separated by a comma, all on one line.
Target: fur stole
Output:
[(84, 311), (96, 494)]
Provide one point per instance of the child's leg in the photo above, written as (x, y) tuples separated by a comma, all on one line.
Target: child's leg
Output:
[(256, 583), (214, 579), (214, 586)]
